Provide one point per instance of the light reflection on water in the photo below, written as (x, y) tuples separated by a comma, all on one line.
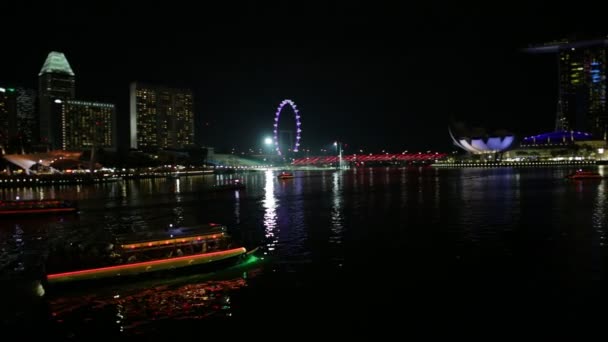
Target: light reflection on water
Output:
[(599, 213), (337, 218), (600, 236), (336, 237), (237, 206), (270, 212), (137, 310)]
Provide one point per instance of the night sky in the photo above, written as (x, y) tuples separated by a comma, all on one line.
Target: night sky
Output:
[(376, 75)]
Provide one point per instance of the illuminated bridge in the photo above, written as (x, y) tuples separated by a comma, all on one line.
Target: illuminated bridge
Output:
[(371, 158)]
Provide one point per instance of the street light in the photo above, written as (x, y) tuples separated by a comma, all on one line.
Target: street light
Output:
[(267, 148), (339, 148)]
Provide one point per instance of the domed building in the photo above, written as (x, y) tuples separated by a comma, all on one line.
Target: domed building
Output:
[(477, 141)]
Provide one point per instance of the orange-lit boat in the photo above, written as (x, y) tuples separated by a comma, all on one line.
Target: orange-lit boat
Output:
[(285, 175), (28, 207), (176, 249), (582, 174)]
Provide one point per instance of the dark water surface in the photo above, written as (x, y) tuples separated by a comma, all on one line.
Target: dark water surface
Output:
[(394, 245)]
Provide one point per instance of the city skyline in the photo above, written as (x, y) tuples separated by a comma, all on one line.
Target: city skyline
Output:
[(340, 166), (403, 71)]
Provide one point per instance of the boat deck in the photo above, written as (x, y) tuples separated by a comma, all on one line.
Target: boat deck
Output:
[(172, 233)]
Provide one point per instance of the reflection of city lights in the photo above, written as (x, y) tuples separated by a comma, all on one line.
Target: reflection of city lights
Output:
[(132, 309), (270, 206), (237, 207), (336, 210), (599, 215)]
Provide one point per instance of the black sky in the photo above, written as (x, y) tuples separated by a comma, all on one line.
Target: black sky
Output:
[(373, 74)]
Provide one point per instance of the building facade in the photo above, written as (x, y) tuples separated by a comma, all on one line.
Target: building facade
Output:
[(161, 117), (8, 115), (27, 122), (18, 124), (56, 82), (87, 125)]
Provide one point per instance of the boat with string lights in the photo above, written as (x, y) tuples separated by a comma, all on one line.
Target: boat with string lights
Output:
[(35, 207), (203, 248)]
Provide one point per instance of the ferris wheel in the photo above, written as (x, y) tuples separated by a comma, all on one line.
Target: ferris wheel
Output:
[(277, 116)]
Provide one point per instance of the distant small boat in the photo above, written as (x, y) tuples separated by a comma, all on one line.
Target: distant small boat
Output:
[(581, 174), (285, 175), (29, 207)]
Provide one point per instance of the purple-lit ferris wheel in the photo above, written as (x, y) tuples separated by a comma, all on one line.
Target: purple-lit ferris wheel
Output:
[(276, 125)]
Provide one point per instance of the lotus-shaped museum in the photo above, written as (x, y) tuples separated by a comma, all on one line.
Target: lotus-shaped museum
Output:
[(483, 143)]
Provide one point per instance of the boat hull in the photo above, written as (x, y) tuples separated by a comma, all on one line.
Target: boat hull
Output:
[(46, 211), (581, 174), (137, 269)]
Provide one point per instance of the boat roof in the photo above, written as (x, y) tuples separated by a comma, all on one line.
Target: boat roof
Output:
[(172, 233)]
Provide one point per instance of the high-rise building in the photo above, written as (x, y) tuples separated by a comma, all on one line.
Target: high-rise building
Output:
[(17, 117), (8, 115), (27, 124), (161, 117), (582, 81), (86, 125), (56, 82)]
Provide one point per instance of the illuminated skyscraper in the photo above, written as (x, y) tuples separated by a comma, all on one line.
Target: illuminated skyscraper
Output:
[(582, 81), (27, 123), (86, 125), (56, 81), (8, 115), (161, 117), (17, 117)]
